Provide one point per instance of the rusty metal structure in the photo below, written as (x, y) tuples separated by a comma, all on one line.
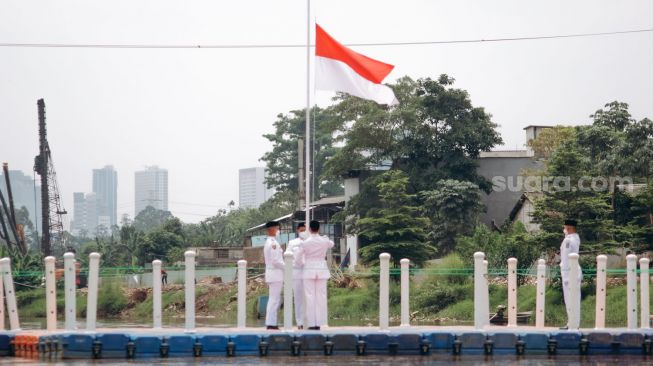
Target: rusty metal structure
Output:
[(8, 217), (52, 210)]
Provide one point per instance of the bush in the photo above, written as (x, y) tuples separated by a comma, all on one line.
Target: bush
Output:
[(111, 300), (444, 285)]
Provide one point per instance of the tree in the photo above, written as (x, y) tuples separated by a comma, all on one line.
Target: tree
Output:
[(282, 160), (396, 227), (549, 139), (453, 208), (151, 219), (435, 133)]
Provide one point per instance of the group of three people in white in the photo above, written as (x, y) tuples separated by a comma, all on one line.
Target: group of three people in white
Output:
[(310, 274)]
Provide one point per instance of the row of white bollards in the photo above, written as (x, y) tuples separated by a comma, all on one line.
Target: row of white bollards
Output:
[(10, 294), (384, 292)]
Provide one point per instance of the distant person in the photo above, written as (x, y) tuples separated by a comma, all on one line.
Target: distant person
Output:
[(570, 244), (298, 280), (273, 273), (312, 255), (164, 277)]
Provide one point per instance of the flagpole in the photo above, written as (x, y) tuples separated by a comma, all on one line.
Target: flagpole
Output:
[(307, 146)]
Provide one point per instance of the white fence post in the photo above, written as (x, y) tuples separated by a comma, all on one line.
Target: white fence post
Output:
[(541, 294), (644, 291), (481, 305), (287, 291), (12, 309), (601, 282), (50, 294), (242, 294), (70, 288), (156, 294), (512, 292), (91, 299), (189, 286), (631, 287), (384, 291), (574, 289), (405, 292)]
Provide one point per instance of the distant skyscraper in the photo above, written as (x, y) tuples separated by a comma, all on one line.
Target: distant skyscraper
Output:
[(85, 217), (252, 190), (105, 187), (151, 189), (22, 188)]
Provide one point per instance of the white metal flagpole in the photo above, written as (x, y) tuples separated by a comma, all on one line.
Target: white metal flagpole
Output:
[(307, 145)]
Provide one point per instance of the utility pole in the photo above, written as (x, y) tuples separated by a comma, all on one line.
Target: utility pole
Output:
[(301, 174)]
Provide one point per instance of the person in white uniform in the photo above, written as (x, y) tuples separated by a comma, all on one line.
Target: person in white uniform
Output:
[(570, 244), (273, 274), (312, 255), (298, 281)]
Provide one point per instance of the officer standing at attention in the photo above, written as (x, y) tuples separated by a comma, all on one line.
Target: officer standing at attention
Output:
[(273, 273), (312, 254), (570, 244), (298, 281)]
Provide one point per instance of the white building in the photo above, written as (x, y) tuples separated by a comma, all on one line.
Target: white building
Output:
[(85, 218), (105, 187), (151, 189), (252, 190)]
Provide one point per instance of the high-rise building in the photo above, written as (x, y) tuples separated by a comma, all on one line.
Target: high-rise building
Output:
[(252, 190), (26, 193), (85, 217), (151, 189), (105, 187)]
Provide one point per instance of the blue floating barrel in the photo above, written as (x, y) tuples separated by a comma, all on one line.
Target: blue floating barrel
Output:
[(213, 344), (5, 344), (441, 342), (312, 343), (504, 343), (376, 343), (147, 346), (279, 343), (406, 343), (78, 346), (344, 343), (535, 343), (114, 345), (630, 342), (246, 344), (473, 343), (600, 343), (567, 343), (181, 345)]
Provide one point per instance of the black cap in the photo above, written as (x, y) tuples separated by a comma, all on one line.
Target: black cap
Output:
[(570, 222), (270, 224), (301, 224), (314, 225)]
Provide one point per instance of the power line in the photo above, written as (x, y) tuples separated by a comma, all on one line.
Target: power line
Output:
[(292, 45)]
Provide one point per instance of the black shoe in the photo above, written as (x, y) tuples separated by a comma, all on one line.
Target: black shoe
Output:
[(300, 327), (272, 327), (564, 328), (313, 328)]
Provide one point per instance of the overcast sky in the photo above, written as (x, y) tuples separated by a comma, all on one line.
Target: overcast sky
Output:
[(200, 113)]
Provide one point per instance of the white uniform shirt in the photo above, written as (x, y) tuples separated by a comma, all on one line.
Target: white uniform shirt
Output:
[(570, 244), (293, 247), (273, 260), (312, 255)]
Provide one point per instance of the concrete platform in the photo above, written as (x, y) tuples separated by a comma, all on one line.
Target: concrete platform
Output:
[(125, 343)]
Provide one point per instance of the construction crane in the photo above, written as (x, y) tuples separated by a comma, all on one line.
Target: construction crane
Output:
[(9, 212), (52, 210)]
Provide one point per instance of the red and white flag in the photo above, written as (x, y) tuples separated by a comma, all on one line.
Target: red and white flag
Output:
[(340, 69)]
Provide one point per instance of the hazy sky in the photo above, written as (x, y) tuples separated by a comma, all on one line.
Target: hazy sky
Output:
[(200, 113)]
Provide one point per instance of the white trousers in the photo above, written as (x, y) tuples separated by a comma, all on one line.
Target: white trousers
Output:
[(566, 293), (274, 302), (298, 293), (316, 301)]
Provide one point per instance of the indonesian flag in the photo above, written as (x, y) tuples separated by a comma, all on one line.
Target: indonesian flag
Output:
[(341, 69)]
